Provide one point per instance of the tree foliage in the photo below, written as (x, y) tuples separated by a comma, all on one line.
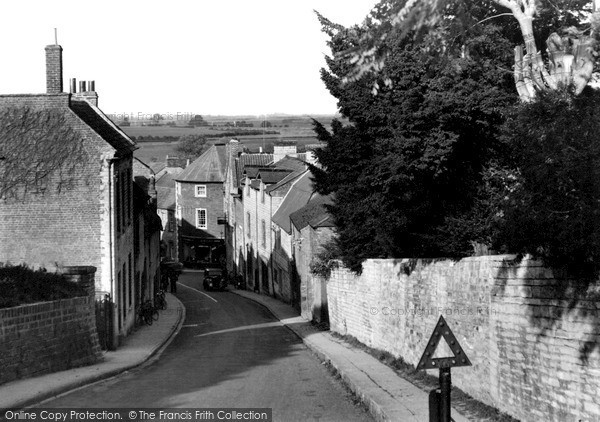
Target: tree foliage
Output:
[(197, 120), (191, 146), (553, 210), (410, 166), (567, 61)]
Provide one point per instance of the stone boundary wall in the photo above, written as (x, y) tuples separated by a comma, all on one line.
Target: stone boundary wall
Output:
[(534, 357), (46, 337)]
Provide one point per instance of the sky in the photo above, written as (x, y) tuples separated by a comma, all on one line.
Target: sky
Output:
[(209, 57)]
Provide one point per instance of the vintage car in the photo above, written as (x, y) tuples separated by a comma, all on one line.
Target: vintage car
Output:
[(214, 279)]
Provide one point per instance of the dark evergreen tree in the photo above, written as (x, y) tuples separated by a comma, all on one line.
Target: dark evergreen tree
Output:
[(409, 169)]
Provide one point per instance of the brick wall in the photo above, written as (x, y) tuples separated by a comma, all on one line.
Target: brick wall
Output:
[(46, 337), (534, 356)]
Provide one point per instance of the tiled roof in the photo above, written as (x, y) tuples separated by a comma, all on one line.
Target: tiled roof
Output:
[(252, 171), (103, 126), (271, 176), (286, 180), (292, 163), (314, 213), (247, 161), (256, 159), (297, 197), (167, 180), (209, 167), (165, 198)]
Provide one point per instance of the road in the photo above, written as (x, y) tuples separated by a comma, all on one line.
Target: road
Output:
[(230, 352)]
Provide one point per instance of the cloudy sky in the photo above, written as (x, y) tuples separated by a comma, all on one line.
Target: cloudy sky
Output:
[(179, 56)]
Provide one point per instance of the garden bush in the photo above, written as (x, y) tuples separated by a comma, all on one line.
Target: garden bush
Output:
[(21, 285)]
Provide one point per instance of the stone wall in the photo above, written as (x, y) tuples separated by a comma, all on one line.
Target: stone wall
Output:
[(47, 337), (533, 339)]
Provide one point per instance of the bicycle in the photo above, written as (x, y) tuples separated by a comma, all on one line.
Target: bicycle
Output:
[(160, 300), (146, 313)]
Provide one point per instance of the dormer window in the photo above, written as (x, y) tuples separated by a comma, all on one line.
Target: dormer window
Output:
[(200, 191)]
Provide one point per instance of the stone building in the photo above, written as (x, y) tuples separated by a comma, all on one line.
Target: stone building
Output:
[(66, 187), (199, 209), (165, 188), (312, 228), (147, 229)]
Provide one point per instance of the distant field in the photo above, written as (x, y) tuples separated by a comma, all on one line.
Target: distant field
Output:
[(153, 153), (288, 127)]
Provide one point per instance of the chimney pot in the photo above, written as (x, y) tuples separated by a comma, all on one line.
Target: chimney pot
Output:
[(73, 85), (54, 76), (92, 86), (82, 86)]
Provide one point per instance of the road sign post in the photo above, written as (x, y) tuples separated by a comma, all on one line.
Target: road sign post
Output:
[(439, 399)]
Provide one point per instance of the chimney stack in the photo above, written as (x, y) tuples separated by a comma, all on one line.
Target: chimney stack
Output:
[(87, 91), (54, 77)]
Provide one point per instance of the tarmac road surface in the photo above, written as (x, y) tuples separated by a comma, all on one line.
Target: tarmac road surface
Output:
[(230, 352)]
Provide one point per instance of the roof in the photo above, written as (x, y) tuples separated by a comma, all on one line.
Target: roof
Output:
[(250, 161), (165, 198), (286, 180), (103, 126), (251, 171), (314, 213), (167, 180), (297, 197), (271, 176), (49, 133), (209, 167), (142, 173), (291, 163)]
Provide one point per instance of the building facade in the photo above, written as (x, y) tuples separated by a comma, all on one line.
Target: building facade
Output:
[(199, 209), (66, 187)]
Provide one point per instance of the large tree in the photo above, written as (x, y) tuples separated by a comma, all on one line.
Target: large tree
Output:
[(191, 146), (408, 169), (568, 60)]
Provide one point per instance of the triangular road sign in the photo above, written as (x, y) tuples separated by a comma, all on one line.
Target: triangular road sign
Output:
[(442, 329)]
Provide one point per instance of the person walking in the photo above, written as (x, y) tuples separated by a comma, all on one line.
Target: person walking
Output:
[(173, 278)]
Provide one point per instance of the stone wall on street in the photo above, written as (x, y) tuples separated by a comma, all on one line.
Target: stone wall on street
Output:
[(535, 349), (46, 337)]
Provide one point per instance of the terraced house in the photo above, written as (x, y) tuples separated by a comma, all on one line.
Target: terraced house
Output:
[(66, 187)]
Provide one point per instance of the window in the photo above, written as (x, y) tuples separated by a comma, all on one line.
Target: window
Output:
[(247, 187), (248, 224), (263, 229), (262, 193), (200, 191), (178, 188), (201, 218)]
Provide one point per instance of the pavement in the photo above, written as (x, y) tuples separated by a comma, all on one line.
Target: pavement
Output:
[(139, 347), (387, 396)]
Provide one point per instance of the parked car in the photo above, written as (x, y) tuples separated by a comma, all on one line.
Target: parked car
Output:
[(214, 279)]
